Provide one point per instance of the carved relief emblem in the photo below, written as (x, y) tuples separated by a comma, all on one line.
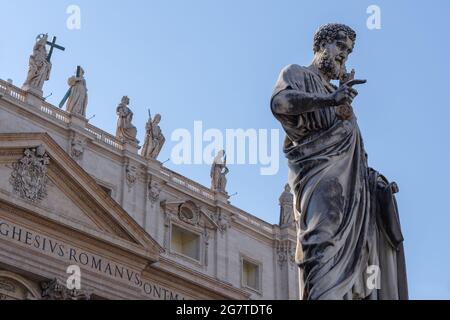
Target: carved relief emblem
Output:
[(154, 190), (77, 149), (29, 176), (189, 213), (131, 175), (286, 253)]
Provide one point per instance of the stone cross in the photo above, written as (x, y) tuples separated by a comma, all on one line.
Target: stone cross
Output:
[(52, 46)]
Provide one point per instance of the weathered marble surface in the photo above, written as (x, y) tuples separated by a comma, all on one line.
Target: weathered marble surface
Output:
[(38, 68), (154, 138), (78, 98)]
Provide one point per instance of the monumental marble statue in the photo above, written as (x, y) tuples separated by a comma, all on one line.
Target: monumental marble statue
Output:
[(219, 171), (154, 138), (286, 206), (350, 244), (78, 96), (126, 131), (39, 67)]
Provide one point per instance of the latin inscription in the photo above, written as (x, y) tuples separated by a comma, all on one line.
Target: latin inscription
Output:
[(74, 255)]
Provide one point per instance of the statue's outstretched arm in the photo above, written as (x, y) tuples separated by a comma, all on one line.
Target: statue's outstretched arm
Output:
[(294, 102)]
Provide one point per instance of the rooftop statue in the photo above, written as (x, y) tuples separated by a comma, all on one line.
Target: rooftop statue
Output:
[(77, 95), (126, 131), (219, 171), (154, 139), (40, 66)]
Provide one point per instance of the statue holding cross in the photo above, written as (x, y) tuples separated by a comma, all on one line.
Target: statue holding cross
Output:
[(40, 65), (76, 96)]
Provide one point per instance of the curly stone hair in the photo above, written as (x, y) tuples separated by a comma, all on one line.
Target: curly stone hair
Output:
[(328, 32)]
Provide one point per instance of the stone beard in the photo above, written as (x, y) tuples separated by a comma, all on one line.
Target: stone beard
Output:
[(328, 66), (350, 244)]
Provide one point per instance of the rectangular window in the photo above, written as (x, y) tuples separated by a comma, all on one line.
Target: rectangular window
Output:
[(185, 242), (251, 276)]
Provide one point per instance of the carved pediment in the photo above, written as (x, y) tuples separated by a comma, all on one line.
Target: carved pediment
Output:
[(71, 197)]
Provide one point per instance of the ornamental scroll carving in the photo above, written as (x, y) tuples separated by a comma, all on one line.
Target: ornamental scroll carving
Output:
[(56, 290)]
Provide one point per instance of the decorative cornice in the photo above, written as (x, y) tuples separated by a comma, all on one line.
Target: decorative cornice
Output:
[(182, 275)]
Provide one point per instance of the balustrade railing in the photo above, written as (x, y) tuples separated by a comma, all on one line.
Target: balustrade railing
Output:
[(12, 91), (188, 184)]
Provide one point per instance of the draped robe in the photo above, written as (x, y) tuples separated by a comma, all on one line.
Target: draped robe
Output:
[(78, 98), (346, 216), (154, 141), (125, 129), (38, 70)]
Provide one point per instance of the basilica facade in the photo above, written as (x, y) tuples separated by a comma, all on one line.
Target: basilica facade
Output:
[(76, 200)]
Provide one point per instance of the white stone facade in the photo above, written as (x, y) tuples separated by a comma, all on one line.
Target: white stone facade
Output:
[(219, 237)]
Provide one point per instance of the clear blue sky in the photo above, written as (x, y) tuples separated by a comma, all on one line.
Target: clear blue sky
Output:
[(217, 61)]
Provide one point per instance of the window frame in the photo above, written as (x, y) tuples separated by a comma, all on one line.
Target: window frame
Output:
[(200, 249), (257, 263)]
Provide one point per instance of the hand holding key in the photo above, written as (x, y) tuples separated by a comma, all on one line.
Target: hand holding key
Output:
[(345, 94)]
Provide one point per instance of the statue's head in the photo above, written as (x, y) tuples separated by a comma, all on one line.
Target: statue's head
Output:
[(219, 159), (157, 119), (125, 100), (41, 41), (333, 43), (40, 151), (42, 38), (287, 188)]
